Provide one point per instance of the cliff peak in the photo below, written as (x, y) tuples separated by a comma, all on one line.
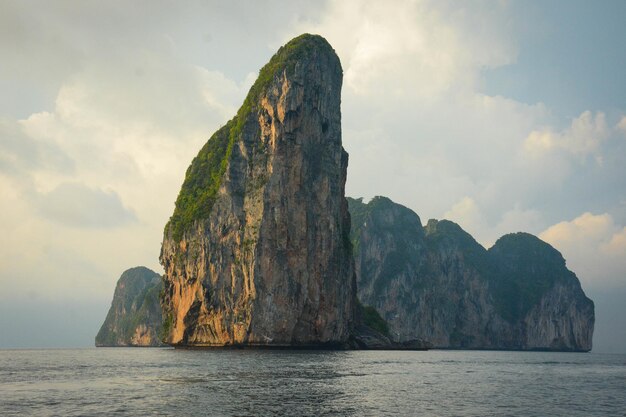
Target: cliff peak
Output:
[(286, 59), (204, 176), (527, 245), (257, 251)]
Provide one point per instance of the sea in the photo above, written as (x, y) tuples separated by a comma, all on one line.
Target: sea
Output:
[(169, 382)]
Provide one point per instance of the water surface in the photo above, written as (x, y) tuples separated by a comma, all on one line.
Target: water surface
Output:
[(168, 382)]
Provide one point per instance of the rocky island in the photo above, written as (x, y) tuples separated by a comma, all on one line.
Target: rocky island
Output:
[(257, 251), (135, 316), (261, 248), (437, 283)]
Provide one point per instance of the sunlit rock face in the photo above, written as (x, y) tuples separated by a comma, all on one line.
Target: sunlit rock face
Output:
[(438, 284), (257, 252), (134, 318)]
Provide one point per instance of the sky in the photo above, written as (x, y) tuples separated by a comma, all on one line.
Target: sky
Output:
[(502, 116)]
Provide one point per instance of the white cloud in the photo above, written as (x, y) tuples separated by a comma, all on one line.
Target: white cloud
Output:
[(415, 124), (420, 130), (583, 137), (115, 125), (466, 213), (586, 226), (89, 183), (413, 48), (622, 124), (594, 247), (617, 245), (469, 215)]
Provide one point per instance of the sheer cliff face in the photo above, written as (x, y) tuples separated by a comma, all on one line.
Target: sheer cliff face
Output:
[(542, 294), (438, 284), (258, 251), (134, 318)]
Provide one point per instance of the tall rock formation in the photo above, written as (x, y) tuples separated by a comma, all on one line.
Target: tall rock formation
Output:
[(134, 318), (257, 251), (438, 284)]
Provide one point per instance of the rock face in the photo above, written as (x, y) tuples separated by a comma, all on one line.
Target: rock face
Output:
[(134, 318), (257, 252), (438, 284)]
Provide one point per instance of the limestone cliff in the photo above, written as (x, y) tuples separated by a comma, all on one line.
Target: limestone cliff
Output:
[(257, 251), (438, 284), (134, 318)]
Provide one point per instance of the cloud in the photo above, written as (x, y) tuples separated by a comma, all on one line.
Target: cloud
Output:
[(415, 48), (415, 123), (90, 176), (130, 125), (469, 215), (586, 226), (420, 130), (465, 211), (594, 247), (617, 244), (77, 205), (583, 137), (622, 124), (20, 153)]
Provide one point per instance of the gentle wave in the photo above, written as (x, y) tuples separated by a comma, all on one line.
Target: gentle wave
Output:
[(131, 382)]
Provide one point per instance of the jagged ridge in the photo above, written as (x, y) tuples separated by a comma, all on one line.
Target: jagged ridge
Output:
[(441, 285), (257, 251)]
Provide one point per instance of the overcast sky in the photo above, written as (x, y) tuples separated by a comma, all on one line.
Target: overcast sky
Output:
[(503, 116)]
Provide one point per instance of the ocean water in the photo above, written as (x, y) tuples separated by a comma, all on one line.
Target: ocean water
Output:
[(168, 382)]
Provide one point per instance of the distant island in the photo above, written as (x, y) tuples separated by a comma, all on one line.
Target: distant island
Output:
[(264, 250), (135, 317)]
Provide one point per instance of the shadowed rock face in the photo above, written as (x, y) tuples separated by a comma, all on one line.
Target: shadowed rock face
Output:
[(257, 251), (134, 318), (438, 284)]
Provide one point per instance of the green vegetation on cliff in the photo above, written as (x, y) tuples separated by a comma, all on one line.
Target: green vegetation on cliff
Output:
[(204, 176), (372, 319), (202, 182), (283, 60), (166, 328)]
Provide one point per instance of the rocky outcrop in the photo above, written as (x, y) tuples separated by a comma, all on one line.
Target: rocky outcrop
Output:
[(438, 284), (535, 288), (134, 318), (257, 252)]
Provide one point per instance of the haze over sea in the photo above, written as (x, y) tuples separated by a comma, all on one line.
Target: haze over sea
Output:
[(168, 382)]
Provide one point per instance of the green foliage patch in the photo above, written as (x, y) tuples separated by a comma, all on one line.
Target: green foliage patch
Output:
[(372, 319), (167, 327), (204, 176), (202, 182)]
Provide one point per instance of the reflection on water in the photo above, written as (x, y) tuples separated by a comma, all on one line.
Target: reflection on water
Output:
[(134, 381)]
